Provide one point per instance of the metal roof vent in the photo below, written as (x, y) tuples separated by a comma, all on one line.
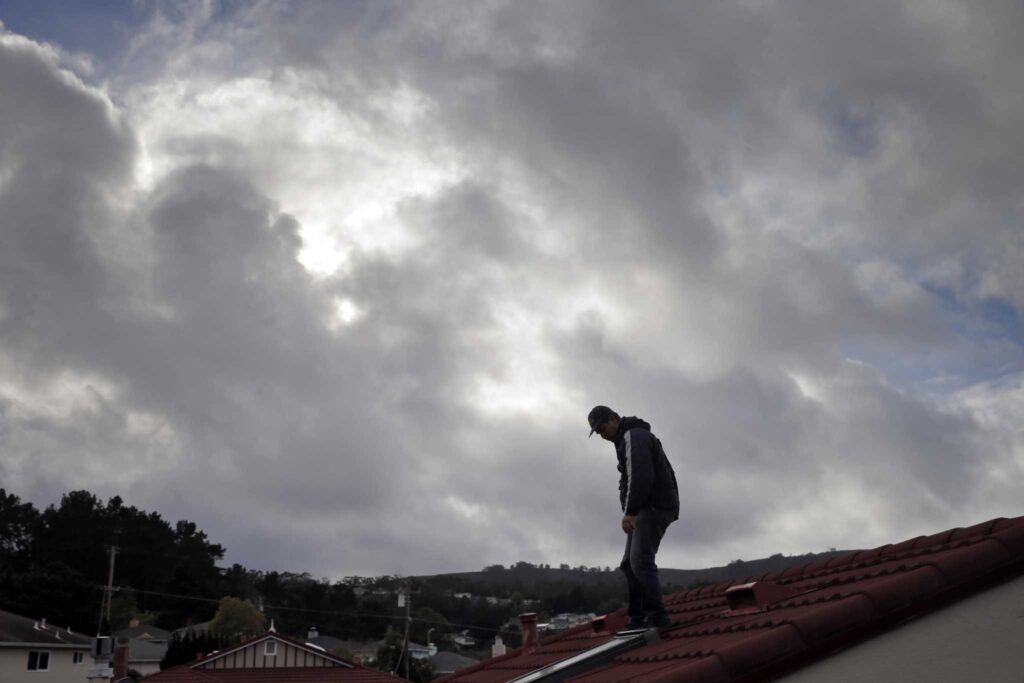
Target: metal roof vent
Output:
[(756, 596)]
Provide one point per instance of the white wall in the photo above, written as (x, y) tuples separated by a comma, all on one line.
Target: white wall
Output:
[(980, 640), (14, 666)]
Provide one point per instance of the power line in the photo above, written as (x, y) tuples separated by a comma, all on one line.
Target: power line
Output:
[(285, 608)]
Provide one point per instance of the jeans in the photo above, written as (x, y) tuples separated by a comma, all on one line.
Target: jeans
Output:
[(638, 563)]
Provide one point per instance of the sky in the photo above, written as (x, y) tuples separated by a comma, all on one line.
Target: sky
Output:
[(340, 282)]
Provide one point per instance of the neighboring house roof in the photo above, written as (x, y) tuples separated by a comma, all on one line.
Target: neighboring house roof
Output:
[(316, 667), (146, 651), (448, 662), (142, 633), (772, 624), (18, 630), (326, 642)]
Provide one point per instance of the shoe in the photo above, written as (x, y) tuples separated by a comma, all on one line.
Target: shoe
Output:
[(635, 623), (659, 622)]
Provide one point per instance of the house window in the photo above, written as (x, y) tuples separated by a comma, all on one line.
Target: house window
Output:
[(38, 660), (78, 657), (270, 648)]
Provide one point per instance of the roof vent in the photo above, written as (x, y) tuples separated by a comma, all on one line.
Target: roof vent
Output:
[(756, 596)]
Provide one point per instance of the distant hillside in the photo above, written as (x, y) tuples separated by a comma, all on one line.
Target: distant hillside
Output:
[(530, 579)]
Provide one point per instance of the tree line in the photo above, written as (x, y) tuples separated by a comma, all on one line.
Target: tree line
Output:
[(54, 563)]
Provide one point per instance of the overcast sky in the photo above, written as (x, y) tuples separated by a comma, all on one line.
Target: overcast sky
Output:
[(340, 282)]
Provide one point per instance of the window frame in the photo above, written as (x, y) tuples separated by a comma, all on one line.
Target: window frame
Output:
[(42, 658), (270, 648)]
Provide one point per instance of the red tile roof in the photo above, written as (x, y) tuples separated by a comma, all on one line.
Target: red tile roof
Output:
[(830, 604)]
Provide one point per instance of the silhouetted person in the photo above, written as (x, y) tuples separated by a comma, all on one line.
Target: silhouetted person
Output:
[(650, 502)]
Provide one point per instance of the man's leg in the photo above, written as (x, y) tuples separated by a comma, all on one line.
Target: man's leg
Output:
[(635, 609), (640, 551)]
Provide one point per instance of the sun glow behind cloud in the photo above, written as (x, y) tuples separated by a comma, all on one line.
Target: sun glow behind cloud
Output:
[(340, 172)]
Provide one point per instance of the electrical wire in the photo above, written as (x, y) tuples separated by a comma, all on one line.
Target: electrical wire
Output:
[(285, 608)]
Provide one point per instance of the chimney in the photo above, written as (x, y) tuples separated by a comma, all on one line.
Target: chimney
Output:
[(599, 625), (498, 649), (756, 596), (312, 633), (120, 662), (529, 628)]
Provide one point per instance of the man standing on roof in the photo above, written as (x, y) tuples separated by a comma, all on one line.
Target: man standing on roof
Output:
[(650, 502)]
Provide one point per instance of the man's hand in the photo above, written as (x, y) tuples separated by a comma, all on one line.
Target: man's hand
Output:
[(628, 523)]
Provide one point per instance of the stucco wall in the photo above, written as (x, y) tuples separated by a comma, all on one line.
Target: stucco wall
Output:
[(14, 666), (978, 639)]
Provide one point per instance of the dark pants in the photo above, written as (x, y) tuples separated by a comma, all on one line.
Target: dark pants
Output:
[(638, 563)]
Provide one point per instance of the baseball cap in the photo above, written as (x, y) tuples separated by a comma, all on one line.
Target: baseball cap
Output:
[(598, 416)]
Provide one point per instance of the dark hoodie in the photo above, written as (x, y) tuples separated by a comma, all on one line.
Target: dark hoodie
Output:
[(646, 478)]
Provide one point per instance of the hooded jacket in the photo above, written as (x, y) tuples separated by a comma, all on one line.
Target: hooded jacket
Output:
[(646, 477)]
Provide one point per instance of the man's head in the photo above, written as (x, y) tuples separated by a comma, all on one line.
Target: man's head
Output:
[(604, 421)]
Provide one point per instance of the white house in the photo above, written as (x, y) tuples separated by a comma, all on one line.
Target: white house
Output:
[(33, 651)]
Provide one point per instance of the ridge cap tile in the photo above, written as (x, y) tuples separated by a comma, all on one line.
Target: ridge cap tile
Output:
[(840, 560), (935, 539), (980, 529), (763, 648), (963, 562), (1006, 523), (888, 593), (1011, 538), (866, 556)]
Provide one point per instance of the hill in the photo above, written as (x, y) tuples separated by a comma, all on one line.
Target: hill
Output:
[(529, 579)]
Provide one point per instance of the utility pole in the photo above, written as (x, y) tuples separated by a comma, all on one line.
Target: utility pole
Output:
[(408, 623), (107, 593)]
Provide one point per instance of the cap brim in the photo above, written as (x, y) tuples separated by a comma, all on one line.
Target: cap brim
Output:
[(592, 430)]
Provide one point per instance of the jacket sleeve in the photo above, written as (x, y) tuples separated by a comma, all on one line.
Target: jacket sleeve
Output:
[(639, 469)]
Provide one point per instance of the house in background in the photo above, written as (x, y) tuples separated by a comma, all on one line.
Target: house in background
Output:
[(444, 663), (944, 608), (146, 646), (137, 631), (36, 652), (271, 658)]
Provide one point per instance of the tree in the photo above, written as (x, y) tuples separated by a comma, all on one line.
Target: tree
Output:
[(18, 526), (187, 648), (237, 619)]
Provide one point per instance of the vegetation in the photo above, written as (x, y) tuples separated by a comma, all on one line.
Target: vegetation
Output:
[(189, 647), (237, 619)]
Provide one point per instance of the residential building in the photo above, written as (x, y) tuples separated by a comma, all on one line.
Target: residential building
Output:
[(146, 645), (942, 608), (33, 651), (137, 631), (271, 658), (444, 663)]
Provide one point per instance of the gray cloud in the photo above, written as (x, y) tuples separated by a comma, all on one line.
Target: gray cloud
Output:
[(775, 231)]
